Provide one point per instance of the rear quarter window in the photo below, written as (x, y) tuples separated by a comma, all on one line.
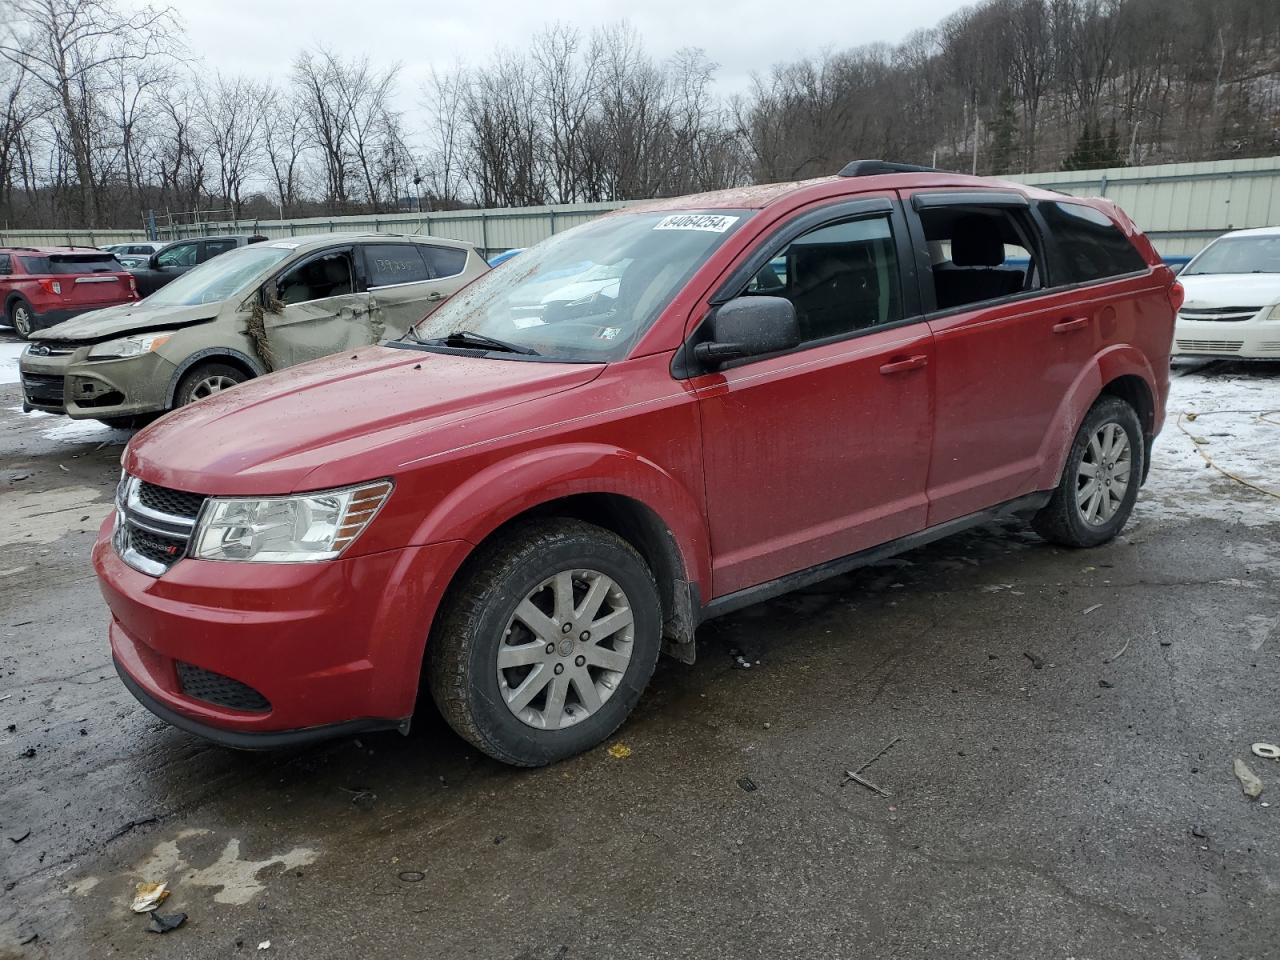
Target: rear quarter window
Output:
[(1090, 246), (444, 261), (6, 264)]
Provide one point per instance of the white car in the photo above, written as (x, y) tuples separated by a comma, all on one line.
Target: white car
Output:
[(1232, 306), (134, 248)]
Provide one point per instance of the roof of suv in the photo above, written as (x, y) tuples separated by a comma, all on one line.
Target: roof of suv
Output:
[(45, 251), (308, 242)]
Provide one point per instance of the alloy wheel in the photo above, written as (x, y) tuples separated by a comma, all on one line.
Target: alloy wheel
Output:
[(1104, 475), (565, 649), (211, 385), (22, 320)]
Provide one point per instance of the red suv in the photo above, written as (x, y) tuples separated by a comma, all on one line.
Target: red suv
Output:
[(652, 419), (42, 286)]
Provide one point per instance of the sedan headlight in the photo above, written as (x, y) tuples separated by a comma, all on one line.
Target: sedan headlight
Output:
[(1275, 313), (308, 526), (127, 346)]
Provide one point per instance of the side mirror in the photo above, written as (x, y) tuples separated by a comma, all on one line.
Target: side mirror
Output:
[(153, 261), (749, 327)]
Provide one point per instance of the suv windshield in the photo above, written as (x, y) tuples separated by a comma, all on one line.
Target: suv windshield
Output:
[(588, 294), (218, 279), (1238, 255)]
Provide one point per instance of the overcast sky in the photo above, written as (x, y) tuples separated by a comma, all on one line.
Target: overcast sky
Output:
[(261, 37)]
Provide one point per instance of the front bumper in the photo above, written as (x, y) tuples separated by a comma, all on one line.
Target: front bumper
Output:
[(330, 647), (1253, 339), (95, 389)]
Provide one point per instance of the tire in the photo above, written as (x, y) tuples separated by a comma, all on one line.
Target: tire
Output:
[(22, 318), (1081, 515), (480, 619), (206, 379)]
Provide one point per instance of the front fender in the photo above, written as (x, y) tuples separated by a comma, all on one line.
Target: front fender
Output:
[(507, 488), (1121, 360), (209, 353)]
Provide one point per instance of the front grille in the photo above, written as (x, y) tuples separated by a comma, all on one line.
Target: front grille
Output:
[(42, 388), (201, 684), (55, 348), (165, 500), (1217, 314), (1210, 346), (153, 524)]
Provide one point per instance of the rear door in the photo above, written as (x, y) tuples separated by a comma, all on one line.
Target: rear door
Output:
[(316, 307), (822, 451), (1007, 345), (408, 281)]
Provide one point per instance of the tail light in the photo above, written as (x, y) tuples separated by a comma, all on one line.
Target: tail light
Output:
[(133, 283), (51, 286), (1176, 296)]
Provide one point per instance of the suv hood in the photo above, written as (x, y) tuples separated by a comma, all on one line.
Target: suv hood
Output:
[(126, 318), (340, 420), (1231, 289)]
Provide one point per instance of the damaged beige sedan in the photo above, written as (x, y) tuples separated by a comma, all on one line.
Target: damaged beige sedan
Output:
[(239, 316)]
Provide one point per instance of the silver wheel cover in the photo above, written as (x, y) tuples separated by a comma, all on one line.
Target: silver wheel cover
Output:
[(1106, 469)]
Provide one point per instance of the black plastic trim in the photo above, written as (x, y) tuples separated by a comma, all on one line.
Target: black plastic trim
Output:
[(254, 741), (209, 353), (833, 568), (875, 168), (966, 198)]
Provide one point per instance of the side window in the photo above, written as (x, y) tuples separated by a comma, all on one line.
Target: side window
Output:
[(6, 265), (214, 247), (444, 261), (1091, 246), (842, 278), (322, 277), (183, 255), (980, 253), (392, 263)]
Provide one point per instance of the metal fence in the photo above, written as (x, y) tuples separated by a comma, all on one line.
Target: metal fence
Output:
[(1182, 206)]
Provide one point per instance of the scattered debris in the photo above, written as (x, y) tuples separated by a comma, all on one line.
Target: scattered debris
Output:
[(1199, 832), (163, 924), (1249, 782), (1267, 751), (411, 876), (64, 468), (739, 661), (883, 750), (1089, 610), (1118, 654), (747, 784), (1036, 662), (499, 838), (863, 781), (265, 945), (27, 754), (21, 838), (1166, 643), (15, 477), (30, 940), (360, 797), (148, 896), (1105, 684), (619, 751)]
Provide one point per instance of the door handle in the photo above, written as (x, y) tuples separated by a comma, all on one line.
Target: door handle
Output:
[(435, 295), (907, 363), (1075, 323)]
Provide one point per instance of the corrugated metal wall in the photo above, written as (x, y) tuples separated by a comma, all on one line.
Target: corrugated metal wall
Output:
[(1182, 206)]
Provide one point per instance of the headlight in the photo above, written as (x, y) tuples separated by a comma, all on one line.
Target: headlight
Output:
[(1275, 313), (128, 346), (308, 526)]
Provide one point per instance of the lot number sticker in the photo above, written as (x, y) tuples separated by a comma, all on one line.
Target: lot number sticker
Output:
[(709, 222)]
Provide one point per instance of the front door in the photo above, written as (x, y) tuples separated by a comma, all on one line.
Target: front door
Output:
[(316, 308), (822, 451)]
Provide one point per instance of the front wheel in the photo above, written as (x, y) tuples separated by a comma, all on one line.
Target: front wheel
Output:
[(206, 380), (546, 642), (1100, 480)]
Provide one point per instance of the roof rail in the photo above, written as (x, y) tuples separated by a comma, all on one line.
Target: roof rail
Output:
[(873, 168)]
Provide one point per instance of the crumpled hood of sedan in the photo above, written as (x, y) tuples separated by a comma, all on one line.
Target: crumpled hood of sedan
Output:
[(126, 318)]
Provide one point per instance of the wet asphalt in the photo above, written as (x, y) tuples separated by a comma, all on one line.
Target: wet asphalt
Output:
[(1059, 785)]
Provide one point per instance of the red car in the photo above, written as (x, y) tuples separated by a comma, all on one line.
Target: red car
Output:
[(42, 286), (662, 415)]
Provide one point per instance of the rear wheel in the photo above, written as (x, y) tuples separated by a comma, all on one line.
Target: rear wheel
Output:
[(546, 643), (22, 318), (1100, 481), (206, 380)]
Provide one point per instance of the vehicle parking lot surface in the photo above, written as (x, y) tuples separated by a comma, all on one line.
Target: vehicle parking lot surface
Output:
[(1062, 785)]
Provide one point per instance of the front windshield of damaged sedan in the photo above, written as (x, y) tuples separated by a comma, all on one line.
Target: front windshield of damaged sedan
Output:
[(220, 278), (1237, 255), (589, 293)]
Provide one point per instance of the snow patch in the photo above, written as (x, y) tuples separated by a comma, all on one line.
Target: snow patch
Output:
[(9, 353), (86, 431)]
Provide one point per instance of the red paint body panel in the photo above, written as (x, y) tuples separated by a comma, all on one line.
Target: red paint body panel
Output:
[(757, 471)]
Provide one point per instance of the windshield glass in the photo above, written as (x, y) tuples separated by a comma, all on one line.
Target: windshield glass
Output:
[(590, 292), (218, 279), (1238, 255)]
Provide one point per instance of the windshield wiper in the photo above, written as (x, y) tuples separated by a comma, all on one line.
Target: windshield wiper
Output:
[(469, 338)]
